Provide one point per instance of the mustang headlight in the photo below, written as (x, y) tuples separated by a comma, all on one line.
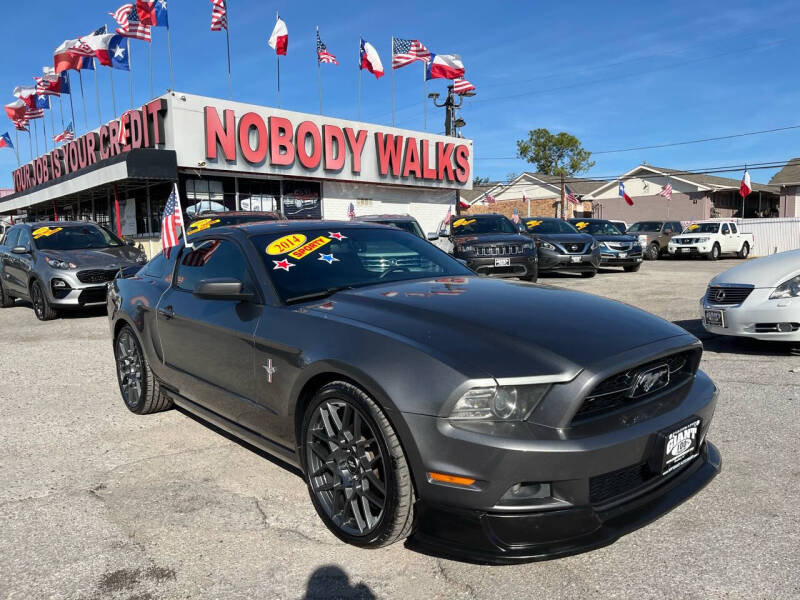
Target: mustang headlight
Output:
[(58, 264), (505, 403), (788, 289), (546, 245)]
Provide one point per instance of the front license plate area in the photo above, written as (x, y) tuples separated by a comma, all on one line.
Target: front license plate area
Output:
[(576, 259), (502, 262), (679, 445), (623, 255), (686, 249), (715, 318)]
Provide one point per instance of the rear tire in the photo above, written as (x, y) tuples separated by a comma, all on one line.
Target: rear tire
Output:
[(41, 305), (355, 468), (744, 252), (632, 268), (6, 301), (714, 254), (652, 252), (140, 389)]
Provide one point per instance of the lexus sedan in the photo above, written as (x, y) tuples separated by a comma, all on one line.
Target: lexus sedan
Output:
[(758, 299), (62, 265), (409, 395)]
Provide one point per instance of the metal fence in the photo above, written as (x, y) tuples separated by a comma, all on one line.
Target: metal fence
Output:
[(772, 235)]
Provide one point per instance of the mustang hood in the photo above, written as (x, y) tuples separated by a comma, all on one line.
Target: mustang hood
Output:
[(503, 328), (767, 272), (106, 258)]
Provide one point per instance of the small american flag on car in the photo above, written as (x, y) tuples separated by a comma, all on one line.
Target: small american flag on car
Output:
[(323, 55), (219, 15), (351, 212), (404, 52), (171, 222), (666, 191)]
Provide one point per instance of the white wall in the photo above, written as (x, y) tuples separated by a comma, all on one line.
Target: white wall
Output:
[(772, 235), (645, 185)]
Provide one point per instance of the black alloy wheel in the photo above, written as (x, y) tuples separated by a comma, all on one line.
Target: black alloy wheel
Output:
[(139, 388), (652, 252), (41, 306), (357, 474)]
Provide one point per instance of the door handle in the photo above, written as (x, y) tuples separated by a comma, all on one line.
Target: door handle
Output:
[(166, 312)]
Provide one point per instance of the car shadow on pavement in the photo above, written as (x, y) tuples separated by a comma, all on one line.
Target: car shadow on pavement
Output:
[(331, 581), (265, 455), (735, 345), (77, 313)]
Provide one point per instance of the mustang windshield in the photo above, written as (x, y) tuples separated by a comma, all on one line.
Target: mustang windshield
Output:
[(597, 228), (73, 237), (548, 226), (471, 225), (702, 228), (313, 263)]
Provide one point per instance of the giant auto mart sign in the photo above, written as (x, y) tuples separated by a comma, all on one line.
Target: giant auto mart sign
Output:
[(208, 133)]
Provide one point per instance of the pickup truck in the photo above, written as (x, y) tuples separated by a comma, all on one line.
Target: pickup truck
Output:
[(711, 239)]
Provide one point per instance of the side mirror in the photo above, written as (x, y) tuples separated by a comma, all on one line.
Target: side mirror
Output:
[(432, 237), (20, 250), (224, 288)]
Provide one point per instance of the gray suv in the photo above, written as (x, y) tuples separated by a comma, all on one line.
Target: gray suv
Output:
[(62, 264)]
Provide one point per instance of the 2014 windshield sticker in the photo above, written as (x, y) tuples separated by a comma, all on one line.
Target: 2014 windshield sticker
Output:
[(286, 244), (201, 225), (45, 232), (532, 224), (283, 264), (463, 222), (310, 247), (328, 258), (581, 224)]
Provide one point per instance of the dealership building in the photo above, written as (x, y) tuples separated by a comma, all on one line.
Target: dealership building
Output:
[(228, 155)]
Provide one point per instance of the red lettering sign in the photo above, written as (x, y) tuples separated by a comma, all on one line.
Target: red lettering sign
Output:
[(305, 130), (250, 121), (281, 148), (219, 135), (334, 147), (389, 153)]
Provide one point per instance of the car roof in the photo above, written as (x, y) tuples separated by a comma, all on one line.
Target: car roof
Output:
[(540, 218), (267, 227), (56, 223), (481, 215), (593, 220), (235, 213), (385, 218)]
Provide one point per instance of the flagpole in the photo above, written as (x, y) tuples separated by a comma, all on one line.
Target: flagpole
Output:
[(97, 93), (424, 96), (44, 134), (83, 99), (171, 72), (130, 71), (392, 56), (16, 144), (113, 95), (52, 123), (61, 106), (151, 69), (360, 70), (30, 141), (36, 136), (228, 41), (278, 58), (71, 105), (319, 72)]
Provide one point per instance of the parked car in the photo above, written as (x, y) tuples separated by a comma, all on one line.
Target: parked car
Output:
[(561, 247), (616, 248), (711, 239), (492, 245), (621, 225), (207, 219), (61, 265), (489, 419), (758, 299), (404, 222), (654, 236)]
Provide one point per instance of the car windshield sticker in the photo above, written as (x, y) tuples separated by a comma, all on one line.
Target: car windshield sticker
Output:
[(581, 224), (328, 258), (532, 224), (308, 248), (337, 236), (463, 222), (694, 226), (283, 264), (286, 244), (45, 232), (201, 225)]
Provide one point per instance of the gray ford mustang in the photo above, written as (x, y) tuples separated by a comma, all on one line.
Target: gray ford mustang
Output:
[(488, 420)]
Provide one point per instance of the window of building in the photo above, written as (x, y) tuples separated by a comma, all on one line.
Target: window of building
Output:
[(206, 194), (301, 200), (259, 194), (210, 260)]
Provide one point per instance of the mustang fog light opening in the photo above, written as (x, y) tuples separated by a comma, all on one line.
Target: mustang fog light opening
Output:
[(505, 403), (450, 479), (524, 493)]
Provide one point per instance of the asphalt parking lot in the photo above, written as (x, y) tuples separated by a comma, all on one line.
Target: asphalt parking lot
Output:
[(96, 502)]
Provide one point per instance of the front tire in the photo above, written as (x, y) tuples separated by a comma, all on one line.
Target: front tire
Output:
[(714, 254), (41, 305), (139, 388), (744, 252), (652, 252), (6, 301), (357, 473)]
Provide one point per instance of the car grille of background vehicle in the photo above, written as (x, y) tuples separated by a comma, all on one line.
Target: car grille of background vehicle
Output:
[(97, 275), (615, 392), (727, 295), (575, 248), (502, 250), (92, 295), (619, 245)]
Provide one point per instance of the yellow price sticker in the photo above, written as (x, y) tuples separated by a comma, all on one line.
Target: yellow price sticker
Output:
[(581, 224), (286, 244), (532, 224), (462, 222), (201, 225), (45, 232), (694, 226)]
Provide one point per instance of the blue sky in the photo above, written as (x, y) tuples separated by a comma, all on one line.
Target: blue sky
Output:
[(616, 75)]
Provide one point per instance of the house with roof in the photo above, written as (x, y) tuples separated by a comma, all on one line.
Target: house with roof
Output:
[(695, 196), (787, 181)]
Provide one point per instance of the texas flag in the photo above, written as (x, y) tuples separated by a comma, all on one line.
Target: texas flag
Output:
[(112, 50), (27, 94), (5, 141), (622, 194), (65, 58), (16, 110), (152, 12), (445, 66), (279, 40), (745, 188), (370, 59)]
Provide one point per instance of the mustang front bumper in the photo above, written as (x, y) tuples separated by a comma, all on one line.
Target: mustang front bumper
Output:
[(591, 502), (757, 317)]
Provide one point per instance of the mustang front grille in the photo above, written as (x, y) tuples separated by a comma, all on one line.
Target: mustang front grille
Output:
[(97, 275), (500, 250), (621, 389), (610, 485), (727, 295)]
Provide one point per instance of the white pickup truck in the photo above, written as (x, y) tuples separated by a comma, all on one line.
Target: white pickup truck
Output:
[(711, 239)]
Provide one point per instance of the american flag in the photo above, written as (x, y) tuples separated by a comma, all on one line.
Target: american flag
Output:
[(129, 25), (490, 199), (201, 255), (171, 222), (573, 199), (323, 55), (666, 191), (404, 52), (66, 136), (34, 113), (21, 124), (448, 216), (219, 15), (515, 217), (462, 86), (351, 212)]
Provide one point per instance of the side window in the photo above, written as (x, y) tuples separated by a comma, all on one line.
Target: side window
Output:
[(725, 229), (11, 238), (677, 227), (210, 260), (24, 238), (156, 268), (733, 228)]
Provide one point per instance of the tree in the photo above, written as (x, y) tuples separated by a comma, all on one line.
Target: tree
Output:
[(477, 180), (555, 154)]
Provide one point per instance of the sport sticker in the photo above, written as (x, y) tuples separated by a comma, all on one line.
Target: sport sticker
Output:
[(201, 225), (462, 222), (286, 244), (308, 248), (45, 232), (532, 224), (581, 224)]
